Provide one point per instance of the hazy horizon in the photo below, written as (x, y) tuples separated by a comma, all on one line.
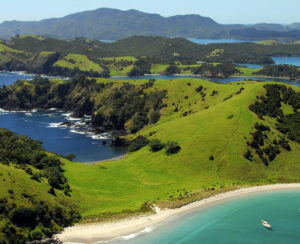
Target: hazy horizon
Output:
[(233, 12)]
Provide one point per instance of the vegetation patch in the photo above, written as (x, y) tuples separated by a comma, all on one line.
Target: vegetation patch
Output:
[(35, 200)]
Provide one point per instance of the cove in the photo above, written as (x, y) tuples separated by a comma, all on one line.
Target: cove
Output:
[(232, 221)]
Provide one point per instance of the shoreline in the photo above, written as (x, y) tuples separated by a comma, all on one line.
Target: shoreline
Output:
[(97, 232)]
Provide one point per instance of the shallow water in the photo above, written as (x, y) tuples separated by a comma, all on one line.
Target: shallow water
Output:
[(232, 221)]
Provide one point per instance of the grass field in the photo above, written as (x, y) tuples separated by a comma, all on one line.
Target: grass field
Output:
[(247, 71), (72, 61), (214, 127), (4, 48), (268, 42), (117, 67), (158, 68), (118, 59)]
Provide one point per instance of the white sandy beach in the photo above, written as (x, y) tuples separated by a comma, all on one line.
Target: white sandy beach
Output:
[(91, 233)]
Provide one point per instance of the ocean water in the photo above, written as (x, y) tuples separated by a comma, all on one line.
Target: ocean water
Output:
[(287, 60), (8, 78), (253, 66), (77, 139), (212, 41), (236, 221), (278, 60)]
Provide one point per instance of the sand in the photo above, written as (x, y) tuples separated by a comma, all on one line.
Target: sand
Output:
[(91, 233)]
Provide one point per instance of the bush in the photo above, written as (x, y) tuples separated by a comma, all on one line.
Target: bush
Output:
[(137, 144), (36, 177), (28, 171), (172, 69), (248, 155), (285, 144), (199, 89), (154, 117), (23, 217), (156, 145), (37, 235), (52, 191), (172, 147)]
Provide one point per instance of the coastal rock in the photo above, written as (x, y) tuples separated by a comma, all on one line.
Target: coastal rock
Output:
[(45, 241)]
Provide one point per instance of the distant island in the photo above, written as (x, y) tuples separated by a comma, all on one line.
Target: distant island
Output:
[(140, 55), (113, 24)]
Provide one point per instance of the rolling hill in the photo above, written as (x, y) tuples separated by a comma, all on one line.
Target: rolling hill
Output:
[(221, 137)]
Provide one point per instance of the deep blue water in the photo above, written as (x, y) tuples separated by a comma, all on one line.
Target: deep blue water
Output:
[(236, 221), (8, 78), (44, 126), (77, 139)]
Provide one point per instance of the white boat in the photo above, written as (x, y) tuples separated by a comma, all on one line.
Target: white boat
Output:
[(266, 224)]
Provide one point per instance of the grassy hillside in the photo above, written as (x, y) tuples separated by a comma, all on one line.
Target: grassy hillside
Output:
[(81, 62), (212, 131), (35, 198)]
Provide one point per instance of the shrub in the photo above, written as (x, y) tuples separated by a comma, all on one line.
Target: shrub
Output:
[(37, 235), (154, 117), (23, 217), (36, 177), (137, 144), (156, 145), (52, 191), (285, 144), (172, 69), (248, 155), (199, 89), (28, 171), (172, 147)]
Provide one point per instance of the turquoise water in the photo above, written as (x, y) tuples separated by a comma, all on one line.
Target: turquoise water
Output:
[(233, 221)]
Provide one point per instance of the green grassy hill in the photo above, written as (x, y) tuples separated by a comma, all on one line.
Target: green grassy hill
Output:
[(35, 199), (205, 127), (72, 61)]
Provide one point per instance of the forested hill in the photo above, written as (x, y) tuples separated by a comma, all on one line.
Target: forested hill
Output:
[(112, 24), (41, 55)]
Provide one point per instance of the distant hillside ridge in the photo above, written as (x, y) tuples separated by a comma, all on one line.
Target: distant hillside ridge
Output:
[(113, 24)]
